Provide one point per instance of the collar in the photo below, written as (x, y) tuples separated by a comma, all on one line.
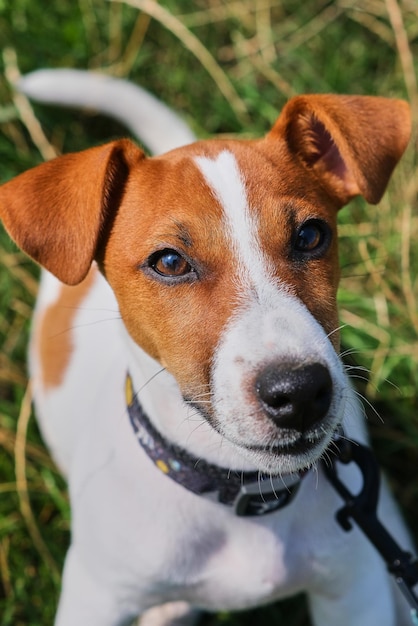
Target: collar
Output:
[(248, 493)]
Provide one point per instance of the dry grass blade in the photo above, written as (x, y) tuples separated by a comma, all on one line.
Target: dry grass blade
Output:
[(123, 66), (250, 55), (406, 270), (22, 486), (33, 451), (194, 45), (242, 11), (405, 53), (13, 263), (4, 566), (264, 31), (24, 108), (10, 374), (312, 28), (369, 15)]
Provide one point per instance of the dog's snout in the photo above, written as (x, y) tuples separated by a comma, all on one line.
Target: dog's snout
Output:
[(295, 397)]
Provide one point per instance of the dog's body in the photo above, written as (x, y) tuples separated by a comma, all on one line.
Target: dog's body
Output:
[(222, 263)]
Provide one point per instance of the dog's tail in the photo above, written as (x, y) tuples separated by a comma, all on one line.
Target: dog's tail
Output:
[(151, 121)]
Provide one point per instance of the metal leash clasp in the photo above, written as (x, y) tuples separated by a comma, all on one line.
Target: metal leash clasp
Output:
[(266, 496), (362, 509)]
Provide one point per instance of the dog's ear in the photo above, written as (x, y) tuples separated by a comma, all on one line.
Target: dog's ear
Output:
[(58, 212), (352, 143)]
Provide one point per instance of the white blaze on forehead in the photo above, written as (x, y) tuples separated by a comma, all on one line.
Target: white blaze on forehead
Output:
[(223, 176)]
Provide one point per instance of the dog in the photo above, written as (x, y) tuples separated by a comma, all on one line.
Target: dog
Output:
[(185, 358)]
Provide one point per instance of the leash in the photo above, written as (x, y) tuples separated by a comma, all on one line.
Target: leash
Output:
[(362, 509)]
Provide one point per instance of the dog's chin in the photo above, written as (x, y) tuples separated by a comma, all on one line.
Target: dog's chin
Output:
[(294, 456)]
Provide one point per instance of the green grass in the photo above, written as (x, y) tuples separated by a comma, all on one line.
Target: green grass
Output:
[(259, 57)]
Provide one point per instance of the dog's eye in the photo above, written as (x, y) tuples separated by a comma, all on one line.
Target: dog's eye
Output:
[(170, 263), (312, 237)]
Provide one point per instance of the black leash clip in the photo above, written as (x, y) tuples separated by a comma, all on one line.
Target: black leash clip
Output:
[(362, 509)]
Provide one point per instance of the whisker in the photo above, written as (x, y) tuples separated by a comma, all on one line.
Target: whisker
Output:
[(202, 423), (336, 330), (366, 401), (358, 377), (349, 352), (84, 325), (150, 379)]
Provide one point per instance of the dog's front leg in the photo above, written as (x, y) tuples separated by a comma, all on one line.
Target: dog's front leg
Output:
[(84, 601)]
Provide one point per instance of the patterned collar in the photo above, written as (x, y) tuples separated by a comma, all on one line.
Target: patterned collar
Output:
[(249, 493)]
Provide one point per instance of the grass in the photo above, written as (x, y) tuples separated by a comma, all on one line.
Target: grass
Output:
[(229, 67)]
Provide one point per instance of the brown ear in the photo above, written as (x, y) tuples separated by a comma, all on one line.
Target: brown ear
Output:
[(56, 212), (352, 143)]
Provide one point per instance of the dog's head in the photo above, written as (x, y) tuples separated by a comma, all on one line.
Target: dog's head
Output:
[(223, 259)]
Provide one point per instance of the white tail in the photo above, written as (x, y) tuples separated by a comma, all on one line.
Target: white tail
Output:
[(151, 121)]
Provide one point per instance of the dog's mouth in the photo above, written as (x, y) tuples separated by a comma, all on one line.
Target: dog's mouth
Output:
[(299, 446), (283, 450), (292, 453)]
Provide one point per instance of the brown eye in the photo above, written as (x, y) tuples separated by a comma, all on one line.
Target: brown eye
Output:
[(313, 237), (170, 264)]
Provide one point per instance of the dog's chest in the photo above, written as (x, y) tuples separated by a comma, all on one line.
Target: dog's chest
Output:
[(239, 574), (230, 565)]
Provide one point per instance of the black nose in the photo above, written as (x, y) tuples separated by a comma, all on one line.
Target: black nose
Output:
[(295, 397)]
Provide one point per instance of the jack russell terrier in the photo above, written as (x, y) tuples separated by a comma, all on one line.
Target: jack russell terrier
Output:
[(184, 357)]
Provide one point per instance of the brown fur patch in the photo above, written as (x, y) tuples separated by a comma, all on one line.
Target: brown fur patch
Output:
[(55, 345)]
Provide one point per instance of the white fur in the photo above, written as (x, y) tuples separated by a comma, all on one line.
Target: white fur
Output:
[(130, 104), (223, 176), (139, 539)]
